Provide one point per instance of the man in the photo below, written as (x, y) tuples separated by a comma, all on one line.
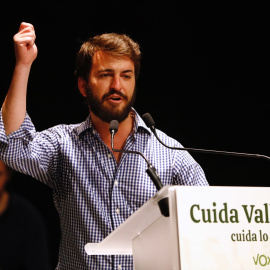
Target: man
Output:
[(95, 189)]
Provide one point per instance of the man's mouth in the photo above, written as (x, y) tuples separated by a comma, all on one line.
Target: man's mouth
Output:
[(115, 98)]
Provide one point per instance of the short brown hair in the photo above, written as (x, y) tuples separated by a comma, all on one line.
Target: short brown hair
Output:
[(112, 43)]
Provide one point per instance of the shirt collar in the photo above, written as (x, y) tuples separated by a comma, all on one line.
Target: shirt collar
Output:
[(139, 123), (88, 124)]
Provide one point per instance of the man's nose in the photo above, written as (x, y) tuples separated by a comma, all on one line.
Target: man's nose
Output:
[(116, 83)]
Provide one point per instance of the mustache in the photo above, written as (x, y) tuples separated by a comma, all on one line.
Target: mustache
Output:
[(113, 91)]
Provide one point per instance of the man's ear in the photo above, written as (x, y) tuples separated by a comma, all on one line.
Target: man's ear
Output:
[(82, 86)]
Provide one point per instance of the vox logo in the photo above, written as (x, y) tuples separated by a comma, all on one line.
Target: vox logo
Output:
[(262, 260)]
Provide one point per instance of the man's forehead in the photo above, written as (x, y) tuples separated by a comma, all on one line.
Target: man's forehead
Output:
[(105, 60)]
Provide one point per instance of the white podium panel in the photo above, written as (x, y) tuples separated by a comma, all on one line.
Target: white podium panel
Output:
[(151, 256), (224, 227), (208, 228), (119, 242)]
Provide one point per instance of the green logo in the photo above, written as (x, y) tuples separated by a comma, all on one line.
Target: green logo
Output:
[(262, 260)]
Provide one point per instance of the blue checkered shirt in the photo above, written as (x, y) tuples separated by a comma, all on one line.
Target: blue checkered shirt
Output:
[(92, 193)]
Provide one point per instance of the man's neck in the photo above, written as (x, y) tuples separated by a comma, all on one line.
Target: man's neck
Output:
[(125, 128)]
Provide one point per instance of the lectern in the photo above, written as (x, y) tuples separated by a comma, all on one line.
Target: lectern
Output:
[(206, 228)]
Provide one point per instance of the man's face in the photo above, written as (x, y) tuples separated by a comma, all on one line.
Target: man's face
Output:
[(110, 91)]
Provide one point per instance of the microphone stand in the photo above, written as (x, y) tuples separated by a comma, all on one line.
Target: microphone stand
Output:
[(151, 171), (151, 124)]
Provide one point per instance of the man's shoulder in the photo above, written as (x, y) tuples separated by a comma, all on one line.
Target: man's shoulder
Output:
[(168, 140), (69, 129)]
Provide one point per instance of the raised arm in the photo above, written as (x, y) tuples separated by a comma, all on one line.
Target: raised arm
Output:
[(14, 106)]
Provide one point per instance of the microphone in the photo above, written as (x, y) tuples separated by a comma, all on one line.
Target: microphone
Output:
[(150, 123), (151, 171)]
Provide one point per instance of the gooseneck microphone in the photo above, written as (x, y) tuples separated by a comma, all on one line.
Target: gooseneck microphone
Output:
[(151, 171), (151, 124)]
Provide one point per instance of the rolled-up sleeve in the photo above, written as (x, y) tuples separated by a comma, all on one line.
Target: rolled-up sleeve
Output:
[(30, 152), (24, 131)]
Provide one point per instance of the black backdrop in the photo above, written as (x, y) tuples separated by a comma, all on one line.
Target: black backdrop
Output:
[(204, 78)]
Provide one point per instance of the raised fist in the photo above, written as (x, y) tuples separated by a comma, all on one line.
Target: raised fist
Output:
[(24, 42)]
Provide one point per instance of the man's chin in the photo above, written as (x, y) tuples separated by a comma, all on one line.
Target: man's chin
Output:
[(108, 111), (113, 114)]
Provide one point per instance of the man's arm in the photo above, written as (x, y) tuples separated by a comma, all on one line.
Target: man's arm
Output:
[(14, 106)]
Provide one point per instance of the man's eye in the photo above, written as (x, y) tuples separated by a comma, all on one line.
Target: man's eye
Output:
[(104, 75), (127, 76)]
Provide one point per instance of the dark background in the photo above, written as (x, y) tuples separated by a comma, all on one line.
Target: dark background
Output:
[(204, 78)]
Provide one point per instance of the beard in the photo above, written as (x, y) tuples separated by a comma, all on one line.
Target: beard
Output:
[(107, 114)]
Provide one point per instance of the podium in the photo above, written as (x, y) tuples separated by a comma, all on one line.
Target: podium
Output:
[(207, 228)]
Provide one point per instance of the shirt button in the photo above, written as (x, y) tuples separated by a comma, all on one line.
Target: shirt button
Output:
[(94, 132), (116, 182), (109, 155), (119, 267), (117, 211)]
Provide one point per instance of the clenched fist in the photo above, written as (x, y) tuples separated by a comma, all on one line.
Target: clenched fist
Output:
[(24, 42)]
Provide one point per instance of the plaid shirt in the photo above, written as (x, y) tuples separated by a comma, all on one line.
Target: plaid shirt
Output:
[(92, 193)]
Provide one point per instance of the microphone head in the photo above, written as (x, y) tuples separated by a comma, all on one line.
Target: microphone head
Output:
[(149, 121), (114, 126)]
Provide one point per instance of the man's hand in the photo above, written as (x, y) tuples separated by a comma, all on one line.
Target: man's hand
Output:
[(24, 43), (14, 106)]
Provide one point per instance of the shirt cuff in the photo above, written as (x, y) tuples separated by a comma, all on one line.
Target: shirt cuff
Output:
[(25, 131)]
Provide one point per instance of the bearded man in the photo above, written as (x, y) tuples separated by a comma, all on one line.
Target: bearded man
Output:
[(95, 189)]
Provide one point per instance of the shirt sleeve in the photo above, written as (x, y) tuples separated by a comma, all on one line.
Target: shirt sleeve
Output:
[(30, 152), (188, 172), (182, 168)]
